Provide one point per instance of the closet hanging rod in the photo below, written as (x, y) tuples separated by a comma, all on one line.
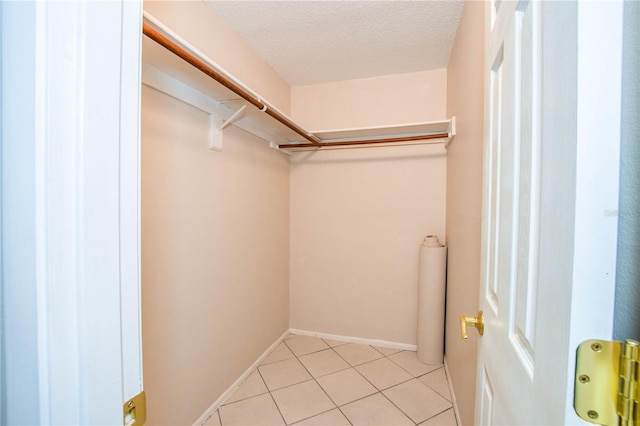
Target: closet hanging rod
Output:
[(397, 139), (182, 53), (157, 32)]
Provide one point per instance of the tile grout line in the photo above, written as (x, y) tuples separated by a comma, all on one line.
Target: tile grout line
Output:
[(354, 367), (270, 395), (435, 390), (402, 411), (312, 378), (395, 384), (350, 366), (319, 385), (278, 408), (361, 375), (374, 386), (413, 377), (381, 391), (410, 371), (441, 412)]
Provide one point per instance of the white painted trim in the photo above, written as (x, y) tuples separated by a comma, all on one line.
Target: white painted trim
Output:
[(393, 130), (451, 392), (218, 402), (600, 26), (276, 147), (1, 257), (130, 238), (348, 339), (72, 111), (20, 363), (269, 130), (220, 114), (451, 131), (48, 130), (156, 79), (201, 56)]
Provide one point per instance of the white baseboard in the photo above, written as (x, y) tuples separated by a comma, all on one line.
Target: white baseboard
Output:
[(212, 409), (372, 342), (451, 392)]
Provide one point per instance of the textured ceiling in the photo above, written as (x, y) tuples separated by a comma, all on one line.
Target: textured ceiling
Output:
[(309, 42)]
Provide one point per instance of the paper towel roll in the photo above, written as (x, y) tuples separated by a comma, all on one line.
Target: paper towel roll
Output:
[(431, 300)]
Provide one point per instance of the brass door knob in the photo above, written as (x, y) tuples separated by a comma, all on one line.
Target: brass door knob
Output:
[(477, 322)]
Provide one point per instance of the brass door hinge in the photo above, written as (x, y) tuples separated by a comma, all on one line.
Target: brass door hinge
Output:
[(606, 382), (135, 410)]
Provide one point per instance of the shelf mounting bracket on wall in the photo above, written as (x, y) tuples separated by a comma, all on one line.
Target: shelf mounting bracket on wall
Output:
[(451, 131), (219, 125), (168, 54), (236, 115), (276, 147)]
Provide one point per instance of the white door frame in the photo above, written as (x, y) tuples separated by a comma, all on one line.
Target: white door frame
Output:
[(70, 216), (598, 115)]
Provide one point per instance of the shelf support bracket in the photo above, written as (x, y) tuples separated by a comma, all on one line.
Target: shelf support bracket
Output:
[(236, 115), (218, 125), (276, 147), (451, 131)]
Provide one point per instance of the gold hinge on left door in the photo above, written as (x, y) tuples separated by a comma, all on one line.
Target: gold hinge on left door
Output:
[(135, 410), (606, 382)]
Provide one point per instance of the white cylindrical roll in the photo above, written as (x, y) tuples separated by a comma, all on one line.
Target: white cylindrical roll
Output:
[(431, 300)]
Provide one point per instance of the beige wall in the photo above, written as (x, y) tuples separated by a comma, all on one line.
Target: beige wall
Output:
[(215, 241), (215, 257), (376, 101), (358, 216), (464, 200)]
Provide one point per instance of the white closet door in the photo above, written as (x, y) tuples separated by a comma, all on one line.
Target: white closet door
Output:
[(550, 190)]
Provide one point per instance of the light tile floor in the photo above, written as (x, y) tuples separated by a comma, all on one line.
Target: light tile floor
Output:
[(311, 381)]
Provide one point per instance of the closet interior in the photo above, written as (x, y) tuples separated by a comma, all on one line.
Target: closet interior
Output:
[(256, 229)]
